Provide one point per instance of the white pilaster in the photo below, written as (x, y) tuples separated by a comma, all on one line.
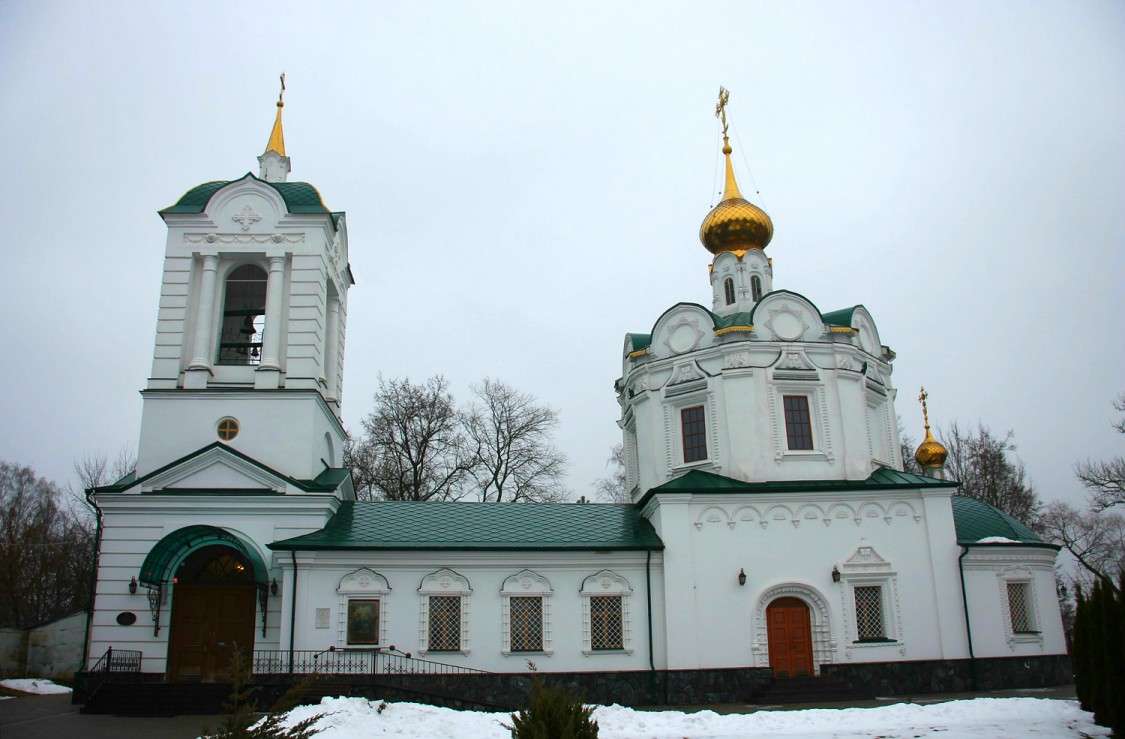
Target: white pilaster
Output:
[(332, 350), (269, 370), (199, 369)]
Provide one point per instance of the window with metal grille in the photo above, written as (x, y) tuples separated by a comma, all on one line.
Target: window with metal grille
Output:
[(1019, 607), (526, 623), (445, 623), (798, 428), (728, 290), (869, 612), (693, 421), (605, 622)]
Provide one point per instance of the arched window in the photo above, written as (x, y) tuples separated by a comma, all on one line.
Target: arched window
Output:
[(756, 287), (728, 290), (244, 316)]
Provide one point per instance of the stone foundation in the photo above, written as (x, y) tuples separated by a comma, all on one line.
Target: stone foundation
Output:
[(954, 676)]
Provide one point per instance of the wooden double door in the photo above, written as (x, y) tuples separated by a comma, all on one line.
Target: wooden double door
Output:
[(789, 630), (209, 621)]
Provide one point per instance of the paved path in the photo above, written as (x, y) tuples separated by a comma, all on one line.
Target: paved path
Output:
[(53, 716)]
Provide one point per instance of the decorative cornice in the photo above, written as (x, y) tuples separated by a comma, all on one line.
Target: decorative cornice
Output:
[(217, 238)]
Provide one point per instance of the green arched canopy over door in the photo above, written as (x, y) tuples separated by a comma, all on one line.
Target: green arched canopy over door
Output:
[(157, 569)]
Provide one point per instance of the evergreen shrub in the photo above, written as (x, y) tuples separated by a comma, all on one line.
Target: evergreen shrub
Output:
[(554, 713)]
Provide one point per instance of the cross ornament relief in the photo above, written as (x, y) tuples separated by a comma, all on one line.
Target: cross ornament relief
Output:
[(246, 218)]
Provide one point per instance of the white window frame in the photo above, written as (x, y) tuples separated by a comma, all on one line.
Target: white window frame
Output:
[(674, 430), (362, 584), (606, 583), (443, 582), (818, 420), (525, 584), (1025, 577), (865, 568)]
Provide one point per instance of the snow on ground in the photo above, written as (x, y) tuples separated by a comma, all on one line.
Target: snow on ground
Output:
[(980, 718), (38, 686)]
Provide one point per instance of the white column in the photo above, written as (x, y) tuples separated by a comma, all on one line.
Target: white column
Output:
[(204, 311), (271, 342), (332, 347)]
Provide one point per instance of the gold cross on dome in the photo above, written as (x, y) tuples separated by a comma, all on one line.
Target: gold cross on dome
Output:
[(922, 395), (721, 107), (281, 94)]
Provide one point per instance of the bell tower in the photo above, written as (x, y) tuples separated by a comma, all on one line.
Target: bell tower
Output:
[(250, 332)]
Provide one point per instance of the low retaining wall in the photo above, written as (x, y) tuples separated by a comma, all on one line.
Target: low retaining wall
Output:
[(510, 691), (954, 676)]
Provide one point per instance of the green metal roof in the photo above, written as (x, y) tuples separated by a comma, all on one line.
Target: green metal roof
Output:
[(408, 524), (299, 197), (734, 319), (157, 566), (640, 341), (884, 478), (976, 520), (840, 317)]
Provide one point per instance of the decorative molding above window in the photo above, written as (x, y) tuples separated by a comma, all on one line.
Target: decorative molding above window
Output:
[(1019, 607), (525, 614), (870, 601), (444, 618), (605, 614), (362, 613)]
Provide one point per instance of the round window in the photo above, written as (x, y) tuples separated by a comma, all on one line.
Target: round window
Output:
[(227, 429)]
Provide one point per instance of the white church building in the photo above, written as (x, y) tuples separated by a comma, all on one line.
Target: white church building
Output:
[(773, 532)]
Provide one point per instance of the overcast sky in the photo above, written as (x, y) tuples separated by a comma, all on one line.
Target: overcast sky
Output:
[(524, 184)]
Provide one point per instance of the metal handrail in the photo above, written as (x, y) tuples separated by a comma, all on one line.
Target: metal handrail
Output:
[(351, 661)]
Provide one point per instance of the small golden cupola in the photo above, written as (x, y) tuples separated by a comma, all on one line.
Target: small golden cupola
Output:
[(931, 454), (735, 224), (275, 166)]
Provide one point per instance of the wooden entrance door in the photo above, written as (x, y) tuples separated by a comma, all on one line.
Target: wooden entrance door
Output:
[(208, 622), (790, 637)]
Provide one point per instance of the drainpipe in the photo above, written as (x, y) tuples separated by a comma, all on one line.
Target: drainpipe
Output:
[(968, 626), (93, 580), (651, 655), (292, 609)]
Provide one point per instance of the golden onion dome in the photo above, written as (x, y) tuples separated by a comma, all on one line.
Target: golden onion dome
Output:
[(735, 224), (930, 452)]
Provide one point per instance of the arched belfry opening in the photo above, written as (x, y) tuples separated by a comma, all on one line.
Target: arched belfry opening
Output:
[(244, 316)]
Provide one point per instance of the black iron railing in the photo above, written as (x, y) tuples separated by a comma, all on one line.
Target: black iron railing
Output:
[(113, 662), (333, 661)]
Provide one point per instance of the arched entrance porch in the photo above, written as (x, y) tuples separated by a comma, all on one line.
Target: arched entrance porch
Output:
[(214, 578)]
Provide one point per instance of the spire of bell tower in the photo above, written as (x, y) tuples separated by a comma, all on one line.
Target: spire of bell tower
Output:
[(273, 162)]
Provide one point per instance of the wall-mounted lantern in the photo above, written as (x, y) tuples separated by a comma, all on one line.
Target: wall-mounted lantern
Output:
[(273, 586), (741, 576), (835, 573), (133, 586)]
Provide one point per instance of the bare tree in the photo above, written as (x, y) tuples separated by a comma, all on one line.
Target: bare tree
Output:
[(414, 445), (612, 488), (1095, 539), (95, 470), (46, 552), (1105, 480), (988, 470), (907, 446), (511, 433)]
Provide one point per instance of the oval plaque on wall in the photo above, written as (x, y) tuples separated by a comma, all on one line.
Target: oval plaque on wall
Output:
[(126, 618)]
